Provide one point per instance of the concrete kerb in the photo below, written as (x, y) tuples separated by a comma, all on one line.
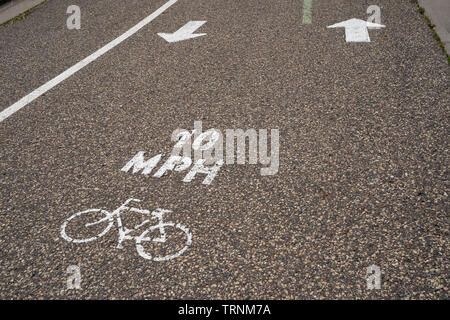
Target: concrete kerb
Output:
[(15, 8), (438, 11)]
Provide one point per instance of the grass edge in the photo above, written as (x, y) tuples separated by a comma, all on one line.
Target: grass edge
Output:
[(23, 15), (431, 26)]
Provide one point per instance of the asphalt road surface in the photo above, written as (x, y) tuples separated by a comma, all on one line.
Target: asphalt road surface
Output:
[(363, 153)]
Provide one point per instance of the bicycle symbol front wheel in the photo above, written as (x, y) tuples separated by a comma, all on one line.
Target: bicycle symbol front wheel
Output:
[(143, 238), (105, 224)]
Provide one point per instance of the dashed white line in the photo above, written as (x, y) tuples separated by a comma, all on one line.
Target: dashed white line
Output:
[(307, 14)]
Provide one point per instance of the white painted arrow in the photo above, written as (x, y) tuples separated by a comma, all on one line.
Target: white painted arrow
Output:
[(356, 30), (184, 33)]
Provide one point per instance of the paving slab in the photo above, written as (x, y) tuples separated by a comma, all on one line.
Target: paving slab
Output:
[(439, 13)]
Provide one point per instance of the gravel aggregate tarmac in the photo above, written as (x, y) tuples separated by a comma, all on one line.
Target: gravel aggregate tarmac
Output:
[(364, 152)]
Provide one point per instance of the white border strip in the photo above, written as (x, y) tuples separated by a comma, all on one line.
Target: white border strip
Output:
[(56, 80)]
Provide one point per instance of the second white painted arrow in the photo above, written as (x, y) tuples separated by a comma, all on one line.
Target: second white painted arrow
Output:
[(184, 33), (356, 30)]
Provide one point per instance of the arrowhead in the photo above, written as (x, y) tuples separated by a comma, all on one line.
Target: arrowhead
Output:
[(371, 25), (356, 23), (174, 37), (184, 33)]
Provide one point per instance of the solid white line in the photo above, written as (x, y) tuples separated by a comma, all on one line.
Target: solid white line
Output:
[(56, 80)]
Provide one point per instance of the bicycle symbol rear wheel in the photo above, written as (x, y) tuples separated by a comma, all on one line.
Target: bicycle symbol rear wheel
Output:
[(143, 238)]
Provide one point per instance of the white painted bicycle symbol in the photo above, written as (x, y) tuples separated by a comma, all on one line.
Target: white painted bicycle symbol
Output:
[(106, 222)]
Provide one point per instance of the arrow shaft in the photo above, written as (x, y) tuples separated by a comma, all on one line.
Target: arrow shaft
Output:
[(357, 34)]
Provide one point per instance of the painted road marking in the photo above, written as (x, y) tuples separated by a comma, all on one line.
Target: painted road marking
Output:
[(307, 11), (56, 80), (114, 217), (184, 33), (356, 30), (204, 146)]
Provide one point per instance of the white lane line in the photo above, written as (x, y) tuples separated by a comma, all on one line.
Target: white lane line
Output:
[(56, 80)]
